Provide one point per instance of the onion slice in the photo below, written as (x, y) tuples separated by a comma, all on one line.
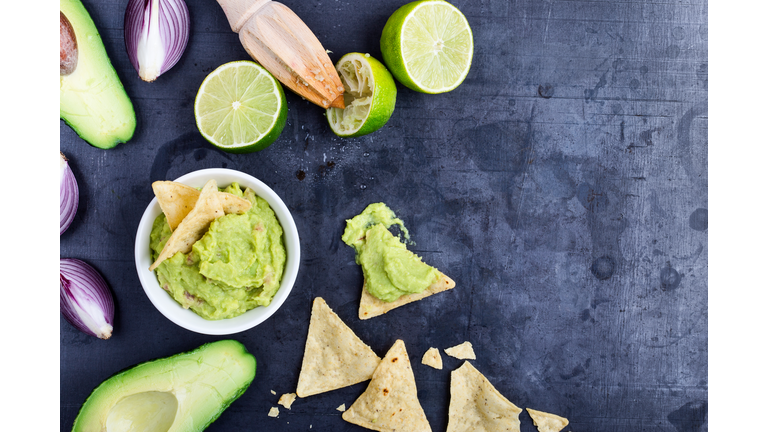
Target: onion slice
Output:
[(69, 195), (156, 35), (86, 301)]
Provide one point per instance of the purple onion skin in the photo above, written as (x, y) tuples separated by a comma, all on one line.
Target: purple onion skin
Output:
[(174, 30), (69, 195), (83, 288)]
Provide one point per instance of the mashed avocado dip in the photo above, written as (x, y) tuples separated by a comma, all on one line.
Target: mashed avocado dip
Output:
[(236, 266), (390, 269)]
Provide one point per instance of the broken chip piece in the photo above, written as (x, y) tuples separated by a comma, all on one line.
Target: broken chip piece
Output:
[(334, 357), (477, 406), (390, 402), (546, 422), (287, 399), (273, 412), (462, 351), (341, 408), (432, 358)]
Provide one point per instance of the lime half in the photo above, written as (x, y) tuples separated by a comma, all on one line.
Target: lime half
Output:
[(369, 96), (428, 46), (240, 107)]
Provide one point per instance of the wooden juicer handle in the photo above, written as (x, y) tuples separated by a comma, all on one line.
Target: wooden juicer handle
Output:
[(280, 41)]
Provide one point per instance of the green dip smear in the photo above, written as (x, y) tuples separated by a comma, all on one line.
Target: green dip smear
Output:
[(236, 266), (390, 269)]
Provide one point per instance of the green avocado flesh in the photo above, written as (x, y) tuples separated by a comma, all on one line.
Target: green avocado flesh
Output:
[(236, 266), (185, 392), (390, 270), (92, 99)]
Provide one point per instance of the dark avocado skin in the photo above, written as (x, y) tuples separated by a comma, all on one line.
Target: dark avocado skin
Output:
[(92, 99), (82, 422)]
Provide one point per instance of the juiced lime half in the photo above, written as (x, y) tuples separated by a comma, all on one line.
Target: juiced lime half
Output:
[(369, 96), (427, 45), (240, 107)]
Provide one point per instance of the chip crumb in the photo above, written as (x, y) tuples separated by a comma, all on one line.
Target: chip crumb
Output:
[(462, 352), (367, 55), (546, 422), (341, 408), (273, 392), (273, 412), (432, 358), (287, 399), (328, 52)]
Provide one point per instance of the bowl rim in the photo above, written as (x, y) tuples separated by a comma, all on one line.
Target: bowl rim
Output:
[(188, 319)]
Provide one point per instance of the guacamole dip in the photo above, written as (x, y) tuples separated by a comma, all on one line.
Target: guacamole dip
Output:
[(390, 269), (236, 266)]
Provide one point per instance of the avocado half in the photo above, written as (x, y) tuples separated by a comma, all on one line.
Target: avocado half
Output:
[(92, 100), (185, 392)]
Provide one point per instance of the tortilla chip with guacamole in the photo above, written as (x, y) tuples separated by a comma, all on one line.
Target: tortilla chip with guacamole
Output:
[(220, 265), (393, 275)]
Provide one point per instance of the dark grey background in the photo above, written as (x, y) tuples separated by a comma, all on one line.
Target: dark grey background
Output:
[(563, 186)]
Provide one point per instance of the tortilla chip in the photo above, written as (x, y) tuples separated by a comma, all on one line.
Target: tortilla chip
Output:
[(462, 352), (273, 412), (371, 306), (546, 422), (287, 399), (195, 224), (390, 402), (432, 358), (334, 357), (177, 200), (477, 406), (341, 408)]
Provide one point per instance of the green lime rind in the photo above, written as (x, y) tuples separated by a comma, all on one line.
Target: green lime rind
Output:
[(393, 45), (382, 99), (273, 100)]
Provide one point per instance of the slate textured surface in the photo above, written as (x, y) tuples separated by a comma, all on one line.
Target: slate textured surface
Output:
[(563, 187)]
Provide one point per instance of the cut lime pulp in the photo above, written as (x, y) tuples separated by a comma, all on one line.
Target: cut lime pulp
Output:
[(240, 107)]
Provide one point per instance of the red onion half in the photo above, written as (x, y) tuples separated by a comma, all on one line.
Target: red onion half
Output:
[(86, 301), (156, 35), (69, 195)]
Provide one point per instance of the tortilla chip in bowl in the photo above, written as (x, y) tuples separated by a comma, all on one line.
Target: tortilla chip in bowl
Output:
[(187, 318)]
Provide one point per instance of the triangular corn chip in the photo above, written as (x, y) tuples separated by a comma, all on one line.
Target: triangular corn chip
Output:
[(390, 402), (476, 406), (334, 357), (432, 358), (371, 306), (177, 200), (462, 351), (546, 422), (195, 224)]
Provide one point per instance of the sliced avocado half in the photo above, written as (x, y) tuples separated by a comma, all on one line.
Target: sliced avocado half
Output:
[(92, 99), (185, 392)]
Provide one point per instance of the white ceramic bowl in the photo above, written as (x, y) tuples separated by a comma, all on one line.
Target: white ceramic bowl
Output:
[(187, 318)]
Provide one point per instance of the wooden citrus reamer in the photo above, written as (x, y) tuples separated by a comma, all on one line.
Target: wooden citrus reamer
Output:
[(280, 41)]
